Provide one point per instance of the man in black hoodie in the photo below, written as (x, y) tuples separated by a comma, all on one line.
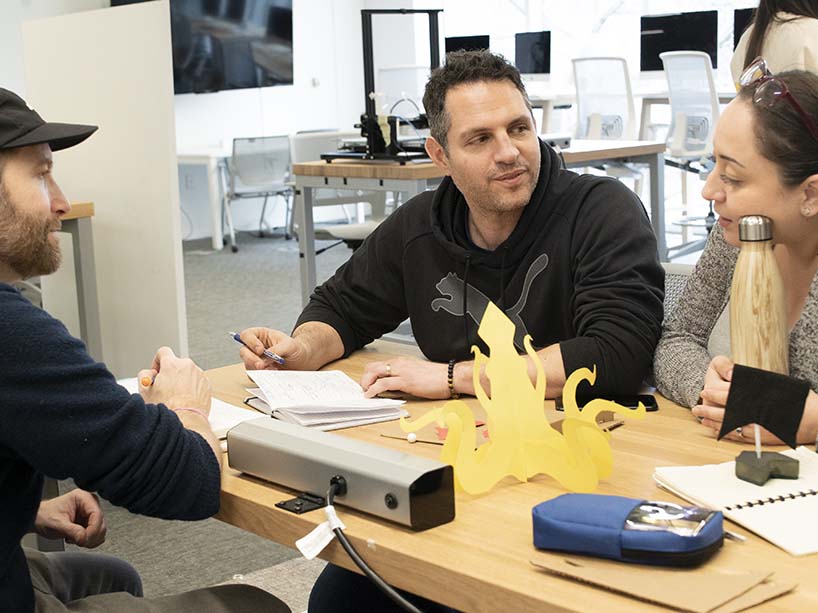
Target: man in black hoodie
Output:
[(571, 259)]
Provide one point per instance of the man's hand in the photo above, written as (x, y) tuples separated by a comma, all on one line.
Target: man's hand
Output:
[(75, 516), (412, 376), (259, 339), (177, 383)]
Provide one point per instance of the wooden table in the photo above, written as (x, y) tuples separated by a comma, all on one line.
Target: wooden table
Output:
[(413, 178), (480, 561)]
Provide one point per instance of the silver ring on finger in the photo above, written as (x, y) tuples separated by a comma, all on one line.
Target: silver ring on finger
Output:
[(388, 370), (739, 432)]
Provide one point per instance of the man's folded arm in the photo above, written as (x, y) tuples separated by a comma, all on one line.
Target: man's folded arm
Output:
[(67, 417), (617, 302)]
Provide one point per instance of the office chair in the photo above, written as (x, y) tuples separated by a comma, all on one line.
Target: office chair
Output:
[(605, 108), (694, 106), (308, 146), (676, 276), (259, 167)]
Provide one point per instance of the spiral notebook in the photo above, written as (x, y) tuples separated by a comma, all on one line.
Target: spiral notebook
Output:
[(325, 400), (782, 511)]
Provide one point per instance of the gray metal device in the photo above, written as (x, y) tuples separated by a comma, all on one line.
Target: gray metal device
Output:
[(413, 491)]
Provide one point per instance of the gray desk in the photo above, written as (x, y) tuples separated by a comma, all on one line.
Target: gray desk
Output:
[(415, 178)]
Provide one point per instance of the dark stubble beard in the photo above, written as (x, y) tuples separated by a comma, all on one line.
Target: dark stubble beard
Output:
[(25, 243)]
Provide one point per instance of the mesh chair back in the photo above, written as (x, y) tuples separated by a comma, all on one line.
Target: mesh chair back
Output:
[(676, 276), (694, 103), (261, 161), (605, 107)]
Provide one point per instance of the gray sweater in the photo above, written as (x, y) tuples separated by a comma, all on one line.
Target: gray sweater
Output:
[(681, 358)]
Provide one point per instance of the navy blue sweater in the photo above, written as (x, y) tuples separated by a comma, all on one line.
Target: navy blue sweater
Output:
[(63, 415)]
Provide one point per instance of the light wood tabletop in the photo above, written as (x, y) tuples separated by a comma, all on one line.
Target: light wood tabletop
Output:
[(79, 210), (580, 151), (481, 560), (586, 150), (368, 170)]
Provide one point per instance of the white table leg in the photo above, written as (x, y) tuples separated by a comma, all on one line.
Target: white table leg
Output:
[(656, 164), (215, 197), (306, 240)]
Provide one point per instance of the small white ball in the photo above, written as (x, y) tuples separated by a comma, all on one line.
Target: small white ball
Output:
[(412, 437)]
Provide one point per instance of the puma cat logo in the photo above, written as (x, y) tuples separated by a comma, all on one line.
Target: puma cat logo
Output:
[(451, 288)]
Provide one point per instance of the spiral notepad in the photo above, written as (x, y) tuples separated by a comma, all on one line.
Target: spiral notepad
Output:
[(782, 511)]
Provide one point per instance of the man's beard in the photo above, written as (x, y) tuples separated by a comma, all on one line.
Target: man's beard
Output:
[(25, 242)]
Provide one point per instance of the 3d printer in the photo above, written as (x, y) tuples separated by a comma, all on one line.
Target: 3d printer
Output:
[(376, 146)]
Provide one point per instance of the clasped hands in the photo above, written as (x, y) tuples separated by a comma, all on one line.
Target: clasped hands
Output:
[(75, 516), (175, 382), (714, 398)]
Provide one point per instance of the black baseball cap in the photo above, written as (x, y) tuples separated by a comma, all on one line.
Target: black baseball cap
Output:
[(21, 126)]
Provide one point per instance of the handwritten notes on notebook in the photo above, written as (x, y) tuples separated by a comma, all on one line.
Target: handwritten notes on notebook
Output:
[(326, 400)]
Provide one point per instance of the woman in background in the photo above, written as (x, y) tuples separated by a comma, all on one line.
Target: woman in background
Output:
[(783, 32), (766, 150)]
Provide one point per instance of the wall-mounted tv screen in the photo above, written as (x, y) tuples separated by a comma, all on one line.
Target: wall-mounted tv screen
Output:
[(741, 19), (467, 43), (680, 32), (231, 44), (532, 52)]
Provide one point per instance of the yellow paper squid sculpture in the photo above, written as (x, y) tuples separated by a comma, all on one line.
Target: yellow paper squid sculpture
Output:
[(521, 441)]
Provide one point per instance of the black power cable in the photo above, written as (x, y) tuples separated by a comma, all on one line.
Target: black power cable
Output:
[(338, 486)]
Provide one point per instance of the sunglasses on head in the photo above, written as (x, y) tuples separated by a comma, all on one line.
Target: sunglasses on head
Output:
[(769, 89)]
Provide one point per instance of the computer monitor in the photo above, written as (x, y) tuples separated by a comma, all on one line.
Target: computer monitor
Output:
[(679, 32), (467, 43), (532, 52), (741, 19)]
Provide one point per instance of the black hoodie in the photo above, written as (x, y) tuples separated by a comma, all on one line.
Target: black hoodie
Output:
[(580, 269)]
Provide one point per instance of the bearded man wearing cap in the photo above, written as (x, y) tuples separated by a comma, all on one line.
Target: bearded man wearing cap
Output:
[(63, 415)]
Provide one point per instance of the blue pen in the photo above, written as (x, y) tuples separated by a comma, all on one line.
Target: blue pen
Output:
[(267, 353)]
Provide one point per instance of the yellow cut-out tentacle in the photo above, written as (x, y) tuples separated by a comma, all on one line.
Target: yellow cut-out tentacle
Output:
[(541, 381), (598, 405), (475, 471), (479, 361), (569, 390), (435, 415)]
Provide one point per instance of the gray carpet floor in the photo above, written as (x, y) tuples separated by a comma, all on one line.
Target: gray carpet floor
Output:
[(225, 291), (257, 286)]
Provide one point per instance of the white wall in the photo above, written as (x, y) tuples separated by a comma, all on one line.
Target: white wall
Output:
[(12, 14), (83, 68)]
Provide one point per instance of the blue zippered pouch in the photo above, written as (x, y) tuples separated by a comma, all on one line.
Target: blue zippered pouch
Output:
[(628, 529)]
